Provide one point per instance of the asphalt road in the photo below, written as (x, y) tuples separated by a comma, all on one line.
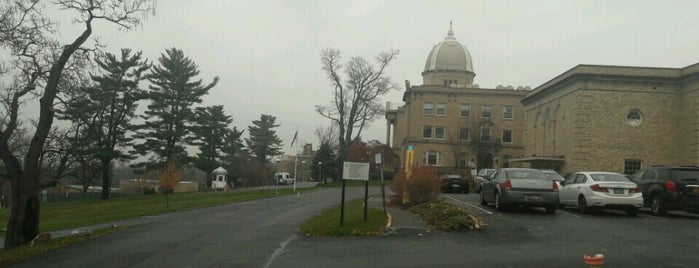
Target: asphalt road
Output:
[(263, 233)]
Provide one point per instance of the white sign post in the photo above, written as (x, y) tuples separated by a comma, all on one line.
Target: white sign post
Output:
[(355, 171)]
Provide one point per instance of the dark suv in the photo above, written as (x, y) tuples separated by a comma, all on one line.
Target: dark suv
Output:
[(669, 188), (454, 184)]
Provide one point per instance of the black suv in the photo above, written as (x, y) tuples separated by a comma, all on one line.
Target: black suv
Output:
[(669, 188), (454, 184)]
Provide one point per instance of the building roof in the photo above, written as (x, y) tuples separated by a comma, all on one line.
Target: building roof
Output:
[(615, 72), (449, 55)]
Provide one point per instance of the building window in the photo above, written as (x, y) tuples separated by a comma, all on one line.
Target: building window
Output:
[(486, 111), (463, 134), (449, 83), (634, 117), (441, 109), (439, 133), (428, 109), (507, 136), (465, 110), (461, 161), (485, 134), (631, 166), (508, 112), (432, 158), (427, 132)]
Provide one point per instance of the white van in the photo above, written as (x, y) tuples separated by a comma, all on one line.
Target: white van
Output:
[(284, 178)]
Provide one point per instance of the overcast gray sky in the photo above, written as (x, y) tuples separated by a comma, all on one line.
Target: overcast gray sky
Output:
[(267, 53)]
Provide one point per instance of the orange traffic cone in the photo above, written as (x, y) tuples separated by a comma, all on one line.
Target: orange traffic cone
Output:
[(594, 261)]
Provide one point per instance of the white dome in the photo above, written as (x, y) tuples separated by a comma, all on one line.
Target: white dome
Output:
[(449, 55)]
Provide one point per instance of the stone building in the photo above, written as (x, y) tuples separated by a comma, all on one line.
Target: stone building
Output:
[(450, 121), (613, 118)]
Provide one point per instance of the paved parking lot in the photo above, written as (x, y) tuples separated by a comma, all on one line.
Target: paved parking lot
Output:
[(643, 241)]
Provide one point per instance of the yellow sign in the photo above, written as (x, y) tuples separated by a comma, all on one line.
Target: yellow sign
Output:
[(408, 171)]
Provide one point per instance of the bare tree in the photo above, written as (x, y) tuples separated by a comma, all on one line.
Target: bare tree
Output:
[(40, 62), (327, 135), (357, 88), (168, 178)]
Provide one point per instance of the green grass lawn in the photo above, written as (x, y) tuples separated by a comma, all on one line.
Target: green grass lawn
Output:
[(64, 215), (328, 222)]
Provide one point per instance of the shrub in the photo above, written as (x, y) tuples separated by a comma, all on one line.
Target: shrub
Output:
[(422, 186), (447, 217)]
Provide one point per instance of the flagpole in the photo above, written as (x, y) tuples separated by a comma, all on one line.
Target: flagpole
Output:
[(296, 159)]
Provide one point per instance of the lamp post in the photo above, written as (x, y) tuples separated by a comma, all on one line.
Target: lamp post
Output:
[(276, 180), (303, 169), (320, 171)]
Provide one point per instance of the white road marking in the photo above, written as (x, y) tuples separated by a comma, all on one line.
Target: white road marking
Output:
[(567, 213), (649, 216), (469, 204), (280, 250)]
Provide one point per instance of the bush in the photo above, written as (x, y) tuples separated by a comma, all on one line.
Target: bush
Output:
[(422, 186), (149, 191), (447, 217)]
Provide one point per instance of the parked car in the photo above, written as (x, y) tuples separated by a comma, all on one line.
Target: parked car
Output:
[(482, 176), (454, 184), (600, 190), (553, 175), (666, 188), (284, 178), (520, 186)]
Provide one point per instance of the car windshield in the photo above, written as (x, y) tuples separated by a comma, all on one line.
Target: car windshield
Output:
[(609, 177), (525, 174), (552, 175)]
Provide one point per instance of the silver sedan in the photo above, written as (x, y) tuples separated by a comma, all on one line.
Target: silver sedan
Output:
[(520, 186)]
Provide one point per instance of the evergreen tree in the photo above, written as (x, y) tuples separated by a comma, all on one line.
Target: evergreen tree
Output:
[(263, 141), (110, 106), (328, 168), (210, 132), (169, 116), (234, 155)]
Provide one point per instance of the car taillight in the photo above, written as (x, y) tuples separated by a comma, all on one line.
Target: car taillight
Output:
[(508, 184), (670, 186), (597, 188), (555, 186), (635, 190)]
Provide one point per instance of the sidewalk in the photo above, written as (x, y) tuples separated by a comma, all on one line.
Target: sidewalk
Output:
[(399, 219)]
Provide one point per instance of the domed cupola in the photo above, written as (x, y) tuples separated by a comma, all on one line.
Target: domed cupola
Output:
[(449, 64)]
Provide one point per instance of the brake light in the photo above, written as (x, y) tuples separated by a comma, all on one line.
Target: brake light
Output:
[(597, 188), (635, 190), (555, 186), (670, 186), (508, 184)]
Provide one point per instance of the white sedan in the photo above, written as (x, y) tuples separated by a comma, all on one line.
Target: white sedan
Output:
[(600, 190)]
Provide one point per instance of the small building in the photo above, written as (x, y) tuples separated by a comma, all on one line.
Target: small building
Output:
[(219, 178)]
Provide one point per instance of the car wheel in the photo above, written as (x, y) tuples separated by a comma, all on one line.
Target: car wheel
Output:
[(466, 190), (483, 201), (498, 204), (632, 212), (657, 206), (551, 209), (582, 205)]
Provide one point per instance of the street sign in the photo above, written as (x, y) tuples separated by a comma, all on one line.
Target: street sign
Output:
[(355, 171), (377, 158)]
